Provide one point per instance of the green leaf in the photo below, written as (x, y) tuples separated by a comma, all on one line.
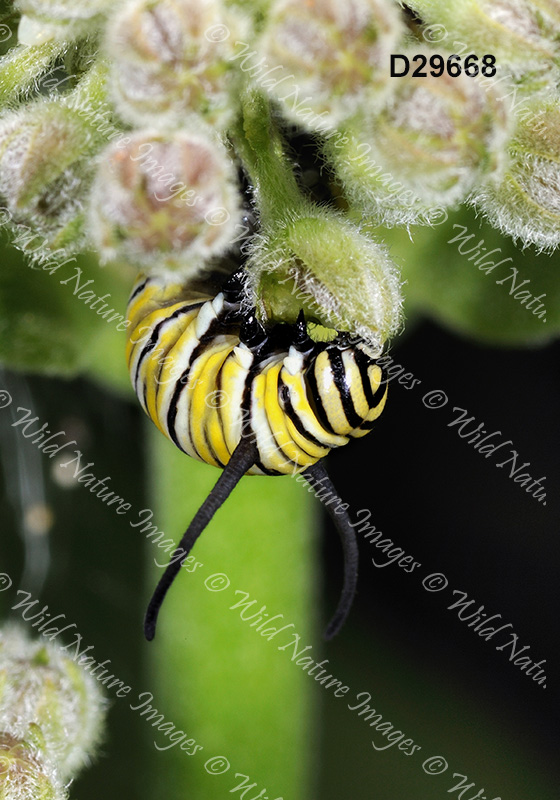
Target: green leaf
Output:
[(484, 302), (47, 324)]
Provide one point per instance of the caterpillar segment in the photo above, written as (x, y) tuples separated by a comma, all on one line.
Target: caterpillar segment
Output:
[(245, 399)]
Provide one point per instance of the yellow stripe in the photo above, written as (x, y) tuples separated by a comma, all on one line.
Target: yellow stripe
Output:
[(300, 404), (329, 396), (233, 384), (309, 452), (202, 382), (356, 384), (277, 420)]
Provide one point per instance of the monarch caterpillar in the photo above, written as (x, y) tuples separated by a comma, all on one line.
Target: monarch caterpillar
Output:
[(284, 400)]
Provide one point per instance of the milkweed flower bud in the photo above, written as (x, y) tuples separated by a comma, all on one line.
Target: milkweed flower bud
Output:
[(47, 695), (39, 149), (521, 34), (423, 152), (325, 58), (160, 198), (171, 58), (43, 20), (525, 202), (24, 774), (323, 264)]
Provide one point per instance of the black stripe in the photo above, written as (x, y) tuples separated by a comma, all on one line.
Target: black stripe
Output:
[(314, 399), (212, 451), (219, 389), (183, 380), (339, 374), (364, 363), (266, 471), (247, 414), (147, 349), (137, 291), (294, 417)]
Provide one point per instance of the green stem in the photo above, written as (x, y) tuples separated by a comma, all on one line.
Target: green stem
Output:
[(215, 677), (261, 148), (91, 91), (23, 65)]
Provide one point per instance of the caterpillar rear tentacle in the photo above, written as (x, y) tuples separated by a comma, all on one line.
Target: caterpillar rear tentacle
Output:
[(250, 400), (242, 460)]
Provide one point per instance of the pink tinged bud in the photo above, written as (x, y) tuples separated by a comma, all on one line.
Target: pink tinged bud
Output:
[(329, 56), (173, 58), (162, 198)]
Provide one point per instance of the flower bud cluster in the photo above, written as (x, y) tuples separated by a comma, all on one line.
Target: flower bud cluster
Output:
[(522, 34), (402, 149)]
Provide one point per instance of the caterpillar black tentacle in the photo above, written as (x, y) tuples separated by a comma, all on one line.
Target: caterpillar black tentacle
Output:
[(243, 458), (250, 400)]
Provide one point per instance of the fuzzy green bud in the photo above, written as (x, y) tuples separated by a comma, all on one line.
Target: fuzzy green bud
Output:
[(521, 34), (172, 58), (39, 149), (24, 774), (525, 202), (323, 264), (325, 58), (424, 152), (41, 688), (164, 199)]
